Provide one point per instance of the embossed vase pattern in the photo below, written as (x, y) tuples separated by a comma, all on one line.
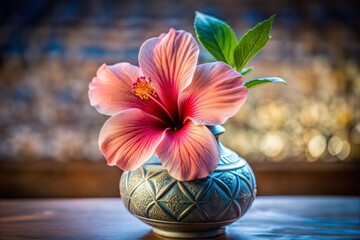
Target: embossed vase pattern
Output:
[(173, 207)]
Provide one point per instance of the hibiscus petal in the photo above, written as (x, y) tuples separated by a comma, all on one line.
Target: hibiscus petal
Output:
[(111, 91), (215, 94), (130, 138), (170, 60), (189, 153)]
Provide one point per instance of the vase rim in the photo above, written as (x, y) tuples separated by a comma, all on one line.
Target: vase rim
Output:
[(225, 163)]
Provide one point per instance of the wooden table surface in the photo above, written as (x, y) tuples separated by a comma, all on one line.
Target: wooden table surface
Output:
[(107, 218)]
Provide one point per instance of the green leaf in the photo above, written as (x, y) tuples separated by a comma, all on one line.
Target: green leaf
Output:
[(245, 71), (259, 81), (216, 36), (252, 42)]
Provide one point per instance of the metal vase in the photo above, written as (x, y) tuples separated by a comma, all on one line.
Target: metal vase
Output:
[(190, 209)]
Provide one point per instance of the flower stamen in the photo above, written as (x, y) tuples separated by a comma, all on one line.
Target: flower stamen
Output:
[(143, 88)]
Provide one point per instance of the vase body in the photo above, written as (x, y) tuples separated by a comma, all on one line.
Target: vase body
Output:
[(190, 209)]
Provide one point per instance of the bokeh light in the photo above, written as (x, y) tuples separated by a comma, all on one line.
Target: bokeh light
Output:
[(50, 50)]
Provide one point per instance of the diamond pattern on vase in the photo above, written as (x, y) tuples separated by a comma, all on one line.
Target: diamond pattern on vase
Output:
[(246, 173), (162, 180), (231, 180), (123, 185), (175, 202), (197, 215), (142, 198), (227, 178), (136, 177), (230, 213), (245, 197), (135, 210), (165, 183), (158, 213), (219, 182), (222, 196), (197, 187), (214, 201), (251, 178)]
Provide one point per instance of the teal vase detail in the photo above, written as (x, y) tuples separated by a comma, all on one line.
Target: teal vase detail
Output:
[(190, 209)]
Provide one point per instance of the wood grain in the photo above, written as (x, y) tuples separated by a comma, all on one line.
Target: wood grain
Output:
[(49, 179), (270, 217)]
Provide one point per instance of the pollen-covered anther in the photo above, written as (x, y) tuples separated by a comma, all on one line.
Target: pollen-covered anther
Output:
[(143, 88)]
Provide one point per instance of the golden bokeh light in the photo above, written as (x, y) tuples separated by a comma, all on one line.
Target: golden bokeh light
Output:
[(316, 146), (47, 65)]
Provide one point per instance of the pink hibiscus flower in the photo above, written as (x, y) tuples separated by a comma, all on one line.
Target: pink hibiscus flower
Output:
[(162, 107)]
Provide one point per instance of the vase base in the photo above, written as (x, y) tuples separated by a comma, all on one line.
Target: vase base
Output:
[(199, 234)]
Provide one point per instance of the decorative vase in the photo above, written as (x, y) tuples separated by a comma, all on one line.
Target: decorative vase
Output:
[(190, 209)]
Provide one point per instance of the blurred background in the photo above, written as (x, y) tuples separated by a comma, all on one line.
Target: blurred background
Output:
[(303, 138)]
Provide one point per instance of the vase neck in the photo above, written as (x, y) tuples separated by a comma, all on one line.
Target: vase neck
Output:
[(217, 130)]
